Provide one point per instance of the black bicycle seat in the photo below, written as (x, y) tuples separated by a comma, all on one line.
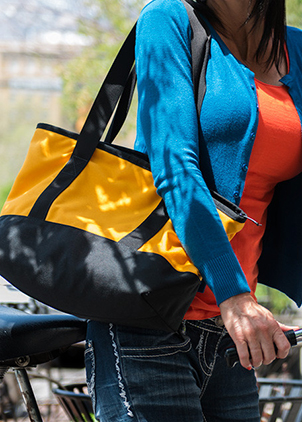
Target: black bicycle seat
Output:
[(36, 337)]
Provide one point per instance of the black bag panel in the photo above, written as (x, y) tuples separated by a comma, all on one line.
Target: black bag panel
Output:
[(136, 157), (58, 130), (70, 275)]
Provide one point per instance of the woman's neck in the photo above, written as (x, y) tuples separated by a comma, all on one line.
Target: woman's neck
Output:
[(243, 35), (239, 32), (231, 12)]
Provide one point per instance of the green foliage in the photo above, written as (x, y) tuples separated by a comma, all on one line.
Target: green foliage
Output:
[(278, 303), (106, 28), (4, 191), (294, 12), (14, 143)]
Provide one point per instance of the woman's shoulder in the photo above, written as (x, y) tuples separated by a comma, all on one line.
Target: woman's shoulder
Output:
[(164, 20), (166, 9), (294, 33), (294, 44)]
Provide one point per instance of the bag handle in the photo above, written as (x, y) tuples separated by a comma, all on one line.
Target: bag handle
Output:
[(98, 118), (106, 99), (122, 108), (200, 48), (120, 82), (118, 86), (200, 45)]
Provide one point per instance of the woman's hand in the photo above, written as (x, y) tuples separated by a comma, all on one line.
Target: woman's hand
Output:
[(254, 330)]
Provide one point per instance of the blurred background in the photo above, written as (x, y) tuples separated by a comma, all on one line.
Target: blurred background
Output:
[(54, 55)]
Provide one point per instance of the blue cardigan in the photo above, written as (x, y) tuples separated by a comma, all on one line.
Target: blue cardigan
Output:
[(186, 163)]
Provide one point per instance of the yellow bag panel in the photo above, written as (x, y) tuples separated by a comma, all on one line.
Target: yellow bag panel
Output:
[(167, 244), (48, 153), (119, 199), (231, 226), (123, 200)]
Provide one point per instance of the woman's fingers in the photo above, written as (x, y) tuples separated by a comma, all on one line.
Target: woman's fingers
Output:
[(258, 337), (244, 355), (282, 344)]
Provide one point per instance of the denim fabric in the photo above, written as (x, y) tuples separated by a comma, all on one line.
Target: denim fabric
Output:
[(142, 375)]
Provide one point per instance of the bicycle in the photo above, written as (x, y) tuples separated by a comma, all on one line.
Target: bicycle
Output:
[(28, 340)]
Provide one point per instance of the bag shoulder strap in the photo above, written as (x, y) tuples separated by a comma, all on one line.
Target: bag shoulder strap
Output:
[(117, 89), (200, 49), (119, 85), (200, 45)]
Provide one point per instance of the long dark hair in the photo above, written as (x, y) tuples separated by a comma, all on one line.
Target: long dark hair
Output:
[(274, 14)]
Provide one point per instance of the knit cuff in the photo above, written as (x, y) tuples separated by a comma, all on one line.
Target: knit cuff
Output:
[(225, 277)]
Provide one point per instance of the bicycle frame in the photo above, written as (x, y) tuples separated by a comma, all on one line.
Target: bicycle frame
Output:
[(28, 340)]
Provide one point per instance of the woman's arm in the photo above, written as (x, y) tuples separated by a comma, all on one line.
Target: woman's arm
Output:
[(168, 126), (168, 129)]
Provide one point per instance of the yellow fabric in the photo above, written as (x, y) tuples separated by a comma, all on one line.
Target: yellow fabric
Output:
[(47, 154), (115, 205), (167, 244), (131, 195)]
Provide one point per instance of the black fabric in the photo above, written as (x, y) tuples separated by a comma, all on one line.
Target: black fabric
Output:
[(148, 229), (228, 208), (66, 176), (85, 274), (59, 130), (107, 99), (279, 267), (93, 277), (135, 157), (122, 108), (200, 48)]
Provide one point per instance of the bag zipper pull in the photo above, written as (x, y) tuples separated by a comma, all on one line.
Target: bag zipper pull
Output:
[(252, 220)]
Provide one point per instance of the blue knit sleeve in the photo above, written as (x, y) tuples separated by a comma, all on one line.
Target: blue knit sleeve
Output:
[(167, 129)]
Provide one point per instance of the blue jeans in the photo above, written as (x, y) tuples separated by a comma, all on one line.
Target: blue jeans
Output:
[(138, 375)]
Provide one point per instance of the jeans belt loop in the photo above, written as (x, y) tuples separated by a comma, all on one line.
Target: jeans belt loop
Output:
[(218, 321)]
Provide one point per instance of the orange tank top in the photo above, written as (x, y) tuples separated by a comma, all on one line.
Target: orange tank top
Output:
[(276, 156)]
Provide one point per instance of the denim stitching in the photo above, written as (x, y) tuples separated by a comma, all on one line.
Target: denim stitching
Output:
[(156, 348), (202, 348), (89, 353), (157, 356), (204, 418), (207, 327), (213, 364), (118, 371)]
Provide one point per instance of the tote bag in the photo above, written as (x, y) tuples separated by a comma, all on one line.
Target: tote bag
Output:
[(83, 229)]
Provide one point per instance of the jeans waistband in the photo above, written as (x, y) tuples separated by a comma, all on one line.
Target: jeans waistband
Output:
[(218, 321), (211, 324)]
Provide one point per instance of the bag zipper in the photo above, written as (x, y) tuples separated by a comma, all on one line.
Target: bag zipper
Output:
[(231, 210), (253, 221)]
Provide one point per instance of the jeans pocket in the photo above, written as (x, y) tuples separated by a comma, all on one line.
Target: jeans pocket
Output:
[(90, 370), (140, 343), (209, 340)]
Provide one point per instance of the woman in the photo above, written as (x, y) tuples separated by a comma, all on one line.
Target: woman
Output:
[(249, 145)]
